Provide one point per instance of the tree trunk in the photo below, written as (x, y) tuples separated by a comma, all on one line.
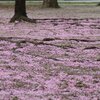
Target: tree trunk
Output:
[(20, 12), (98, 4), (50, 4)]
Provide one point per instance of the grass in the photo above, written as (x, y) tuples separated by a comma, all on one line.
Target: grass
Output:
[(79, 3), (32, 3)]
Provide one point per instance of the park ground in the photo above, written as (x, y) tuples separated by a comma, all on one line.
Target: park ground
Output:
[(58, 58)]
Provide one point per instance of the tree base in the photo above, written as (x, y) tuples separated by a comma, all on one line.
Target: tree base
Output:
[(50, 6), (22, 18), (98, 4)]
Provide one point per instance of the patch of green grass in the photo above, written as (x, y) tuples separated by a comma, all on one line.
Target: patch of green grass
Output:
[(78, 3), (10, 4), (32, 3)]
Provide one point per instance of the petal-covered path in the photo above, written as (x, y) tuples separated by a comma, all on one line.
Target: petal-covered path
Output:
[(55, 59)]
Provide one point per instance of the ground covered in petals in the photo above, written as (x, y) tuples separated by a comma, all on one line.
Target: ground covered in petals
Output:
[(54, 59)]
